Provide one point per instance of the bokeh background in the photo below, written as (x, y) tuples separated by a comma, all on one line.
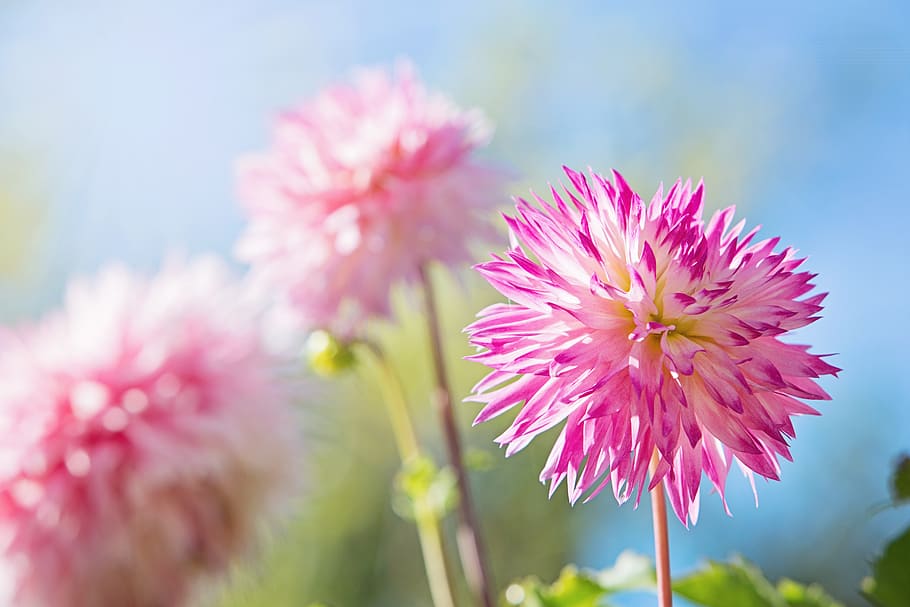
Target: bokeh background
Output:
[(120, 122)]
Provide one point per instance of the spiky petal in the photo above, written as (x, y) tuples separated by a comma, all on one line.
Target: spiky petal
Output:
[(144, 439), (642, 330), (362, 185)]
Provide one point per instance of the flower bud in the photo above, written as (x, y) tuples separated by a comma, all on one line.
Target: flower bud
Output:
[(326, 355)]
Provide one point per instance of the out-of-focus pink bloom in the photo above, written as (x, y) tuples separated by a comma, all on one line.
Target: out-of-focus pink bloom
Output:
[(362, 185), (646, 332), (143, 440)]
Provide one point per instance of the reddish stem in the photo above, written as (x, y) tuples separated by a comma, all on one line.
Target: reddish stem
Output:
[(470, 544), (661, 542)]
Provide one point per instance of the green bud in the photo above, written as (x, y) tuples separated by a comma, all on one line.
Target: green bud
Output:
[(900, 480), (421, 482), (326, 355)]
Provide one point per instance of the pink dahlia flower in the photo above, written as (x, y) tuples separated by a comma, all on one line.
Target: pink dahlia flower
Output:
[(649, 334), (143, 440), (362, 185)]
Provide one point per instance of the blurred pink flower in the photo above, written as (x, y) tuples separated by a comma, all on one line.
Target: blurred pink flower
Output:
[(362, 185), (646, 332), (143, 440)]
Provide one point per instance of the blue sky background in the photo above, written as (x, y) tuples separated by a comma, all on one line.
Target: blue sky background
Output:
[(122, 121)]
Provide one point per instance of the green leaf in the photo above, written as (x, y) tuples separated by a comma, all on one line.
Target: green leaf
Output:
[(798, 595), (576, 588), (889, 585), (421, 485), (632, 571), (743, 584), (571, 589), (737, 583), (900, 480), (724, 584)]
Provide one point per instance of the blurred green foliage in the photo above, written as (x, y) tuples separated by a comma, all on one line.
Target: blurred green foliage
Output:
[(741, 583), (574, 588), (889, 584), (22, 211), (347, 546), (423, 481), (717, 584)]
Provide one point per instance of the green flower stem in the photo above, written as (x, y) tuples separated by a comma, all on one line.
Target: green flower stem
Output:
[(661, 541), (429, 531), (396, 406), (470, 545), (430, 535)]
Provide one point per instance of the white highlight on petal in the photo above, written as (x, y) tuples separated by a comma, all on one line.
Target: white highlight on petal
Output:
[(48, 514), (27, 493), (151, 357), (135, 400), (347, 240), (35, 464), (115, 420), (78, 463), (167, 386), (88, 398)]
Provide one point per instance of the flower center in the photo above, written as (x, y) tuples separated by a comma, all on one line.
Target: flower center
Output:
[(651, 327)]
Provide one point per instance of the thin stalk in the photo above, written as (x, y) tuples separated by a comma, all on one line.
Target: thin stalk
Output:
[(430, 535), (429, 531), (396, 406), (470, 543), (661, 541)]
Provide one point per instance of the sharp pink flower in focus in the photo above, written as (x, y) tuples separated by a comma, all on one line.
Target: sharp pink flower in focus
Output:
[(362, 185), (144, 440), (644, 331)]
